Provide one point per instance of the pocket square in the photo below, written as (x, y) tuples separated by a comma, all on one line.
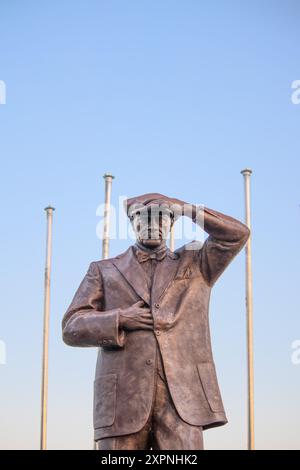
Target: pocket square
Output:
[(186, 274)]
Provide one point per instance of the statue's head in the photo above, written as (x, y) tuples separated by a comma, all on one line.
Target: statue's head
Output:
[(151, 217)]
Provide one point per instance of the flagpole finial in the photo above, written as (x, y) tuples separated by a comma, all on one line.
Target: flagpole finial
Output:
[(108, 175), (246, 171)]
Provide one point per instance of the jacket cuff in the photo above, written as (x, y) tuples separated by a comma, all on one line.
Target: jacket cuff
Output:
[(112, 336)]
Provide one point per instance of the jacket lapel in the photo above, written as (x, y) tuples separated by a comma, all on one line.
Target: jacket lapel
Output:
[(134, 274), (163, 276)]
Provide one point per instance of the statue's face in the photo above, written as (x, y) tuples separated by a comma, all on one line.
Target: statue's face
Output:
[(151, 226)]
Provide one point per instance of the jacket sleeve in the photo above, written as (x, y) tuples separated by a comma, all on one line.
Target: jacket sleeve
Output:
[(227, 236), (85, 323)]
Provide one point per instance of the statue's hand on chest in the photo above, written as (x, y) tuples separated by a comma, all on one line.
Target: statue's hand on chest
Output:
[(136, 317)]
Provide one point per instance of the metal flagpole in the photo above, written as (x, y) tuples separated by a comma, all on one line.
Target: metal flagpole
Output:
[(44, 392), (105, 241), (249, 308)]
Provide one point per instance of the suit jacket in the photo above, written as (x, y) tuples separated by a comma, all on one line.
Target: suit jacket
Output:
[(179, 301)]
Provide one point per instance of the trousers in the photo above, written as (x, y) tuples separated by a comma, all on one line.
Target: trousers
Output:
[(164, 429)]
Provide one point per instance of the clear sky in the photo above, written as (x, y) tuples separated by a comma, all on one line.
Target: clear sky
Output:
[(170, 96)]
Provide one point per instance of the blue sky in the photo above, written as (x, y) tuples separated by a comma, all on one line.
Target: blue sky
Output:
[(172, 97)]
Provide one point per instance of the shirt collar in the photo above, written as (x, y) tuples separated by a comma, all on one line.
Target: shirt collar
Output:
[(161, 248)]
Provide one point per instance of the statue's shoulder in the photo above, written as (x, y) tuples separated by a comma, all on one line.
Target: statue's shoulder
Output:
[(189, 249), (108, 261)]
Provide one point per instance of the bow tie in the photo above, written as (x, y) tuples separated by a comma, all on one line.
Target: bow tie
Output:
[(143, 256)]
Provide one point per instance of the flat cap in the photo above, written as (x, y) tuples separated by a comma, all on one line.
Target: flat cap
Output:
[(144, 201)]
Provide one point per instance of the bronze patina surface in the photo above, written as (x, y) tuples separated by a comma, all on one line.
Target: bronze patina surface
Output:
[(147, 309)]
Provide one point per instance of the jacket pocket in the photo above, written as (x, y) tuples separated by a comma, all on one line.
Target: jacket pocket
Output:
[(105, 388), (209, 381)]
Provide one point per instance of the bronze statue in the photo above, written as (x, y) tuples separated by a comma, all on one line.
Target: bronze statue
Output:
[(155, 385)]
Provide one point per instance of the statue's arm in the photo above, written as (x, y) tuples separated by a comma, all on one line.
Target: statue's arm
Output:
[(227, 236), (85, 323)]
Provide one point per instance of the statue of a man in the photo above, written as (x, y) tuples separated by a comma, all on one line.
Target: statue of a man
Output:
[(147, 309)]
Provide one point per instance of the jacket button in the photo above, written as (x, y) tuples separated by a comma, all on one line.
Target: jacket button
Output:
[(149, 362), (157, 332), (156, 305)]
